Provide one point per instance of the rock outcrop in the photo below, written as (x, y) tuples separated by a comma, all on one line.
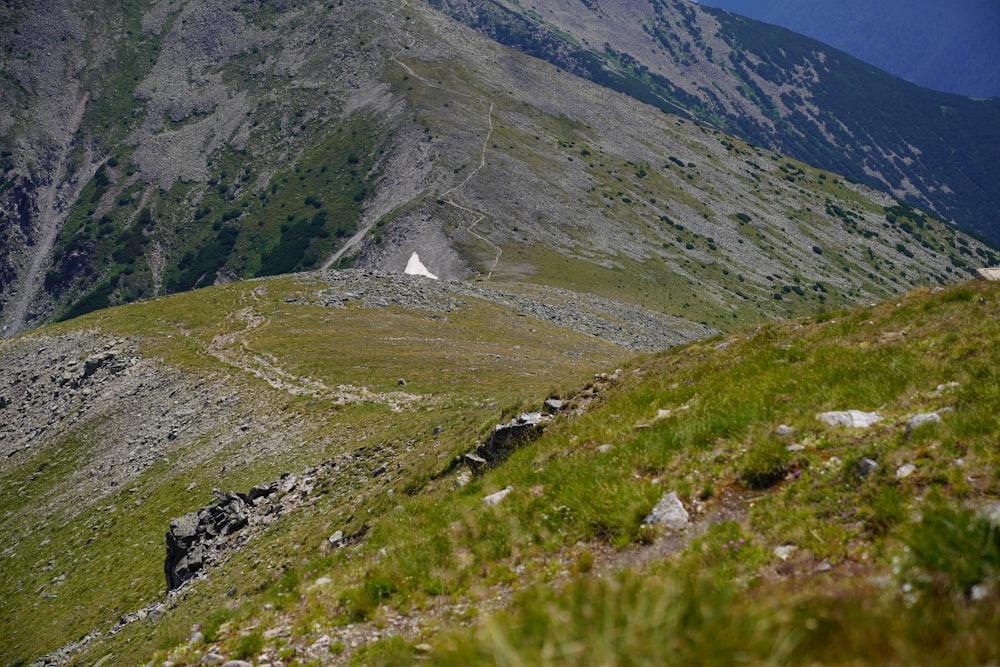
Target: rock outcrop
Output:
[(505, 439), (197, 539)]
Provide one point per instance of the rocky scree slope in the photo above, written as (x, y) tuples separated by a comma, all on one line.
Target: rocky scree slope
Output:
[(158, 147)]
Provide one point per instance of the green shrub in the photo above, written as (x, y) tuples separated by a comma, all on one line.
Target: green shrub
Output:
[(765, 464), (249, 645), (211, 626), (952, 550)]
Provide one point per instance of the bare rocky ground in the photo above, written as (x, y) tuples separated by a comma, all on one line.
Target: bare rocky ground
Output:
[(626, 325)]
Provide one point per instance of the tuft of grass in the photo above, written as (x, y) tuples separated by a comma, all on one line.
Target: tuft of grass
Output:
[(249, 645), (951, 550), (765, 464), (645, 621), (389, 652)]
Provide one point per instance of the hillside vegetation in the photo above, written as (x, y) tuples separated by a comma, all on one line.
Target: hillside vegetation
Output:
[(803, 543), (771, 87), (195, 144), (942, 47)]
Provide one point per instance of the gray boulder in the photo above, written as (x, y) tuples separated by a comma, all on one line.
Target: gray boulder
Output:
[(191, 538), (922, 419), (867, 466), (504, 440), (669, 513), (850, 418)]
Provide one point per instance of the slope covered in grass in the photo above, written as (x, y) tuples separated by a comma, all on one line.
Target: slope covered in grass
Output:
[(116, 422), (806, 543)]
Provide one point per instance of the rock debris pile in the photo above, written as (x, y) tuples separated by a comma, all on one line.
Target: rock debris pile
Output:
[(623, 324)]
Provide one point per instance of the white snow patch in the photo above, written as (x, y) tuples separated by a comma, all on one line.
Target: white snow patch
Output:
[(414, 267)]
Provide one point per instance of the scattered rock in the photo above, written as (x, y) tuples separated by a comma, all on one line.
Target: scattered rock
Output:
[(824, 566), (320, 645), (401, 382), (795, 447), (669, 513), (980, 592), (603, 449), (477, 464), (495, 498), (262, 491), (783, 430), (211, 659), (992, 514), (905, 470), (850, 418), (867, 466), (337, 539), (918, 420), (552, 406), (785, 551), (237, 663), (463, 478), (942, 388)]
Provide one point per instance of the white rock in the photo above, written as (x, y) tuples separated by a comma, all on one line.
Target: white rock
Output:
[(851, 418), (495, 498), (669, 512), (992, 514), (337, 538), (905, 470), (947, 386), (414, 267), (601, 449), (783, 430), (785, 551), (795, 447), (916, 421), (979, 592)]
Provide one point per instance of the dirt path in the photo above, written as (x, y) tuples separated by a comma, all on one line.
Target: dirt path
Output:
[(476, 216), (233, 349)]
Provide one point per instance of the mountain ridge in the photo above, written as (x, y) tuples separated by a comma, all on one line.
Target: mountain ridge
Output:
[(955, 41), (367, 161), (763, 84)]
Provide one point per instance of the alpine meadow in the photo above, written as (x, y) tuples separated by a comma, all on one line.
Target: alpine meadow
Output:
[(477, 332)]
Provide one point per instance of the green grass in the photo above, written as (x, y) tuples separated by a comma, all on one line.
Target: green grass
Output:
[(116, 566), (641, 620), (581, 492)]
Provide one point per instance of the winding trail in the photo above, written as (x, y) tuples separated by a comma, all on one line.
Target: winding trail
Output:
[(476, 216), (232, 349)]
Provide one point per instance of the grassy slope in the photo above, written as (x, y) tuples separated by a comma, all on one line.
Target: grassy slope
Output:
[(464, 369), (882, 569)]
